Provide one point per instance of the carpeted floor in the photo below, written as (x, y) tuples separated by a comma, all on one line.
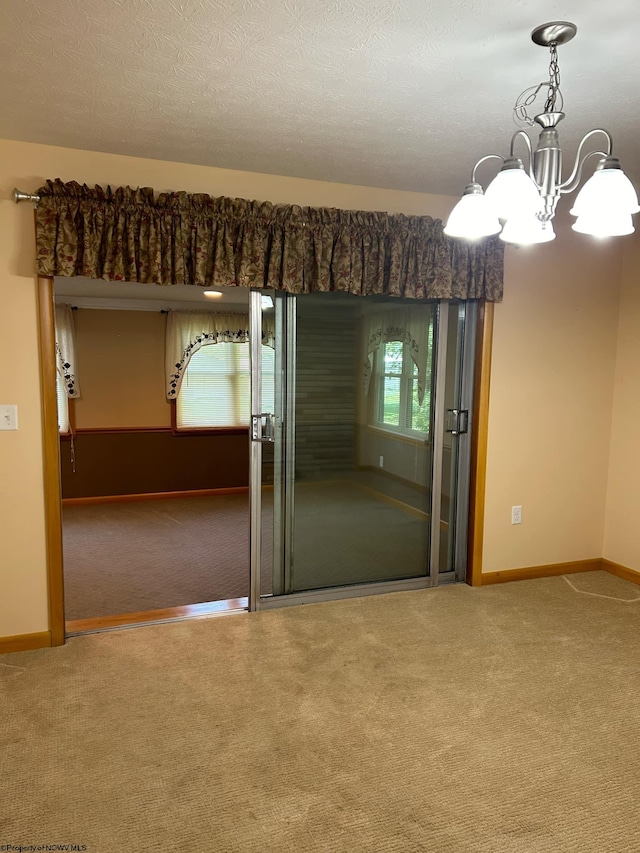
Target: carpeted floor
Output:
[(150, 555), (495, 720)]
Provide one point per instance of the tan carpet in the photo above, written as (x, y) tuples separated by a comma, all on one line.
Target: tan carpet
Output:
[(497, 720)]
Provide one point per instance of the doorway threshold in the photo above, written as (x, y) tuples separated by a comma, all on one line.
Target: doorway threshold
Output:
[(336, 593), (208, 609)]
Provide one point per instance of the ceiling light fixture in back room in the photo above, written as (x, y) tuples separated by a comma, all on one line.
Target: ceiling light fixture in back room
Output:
[(521, 203)]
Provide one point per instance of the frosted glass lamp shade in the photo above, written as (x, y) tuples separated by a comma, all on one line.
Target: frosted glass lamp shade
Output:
[(607, 190), (513, 193), (604, 224), (526, 230), (472, 218)]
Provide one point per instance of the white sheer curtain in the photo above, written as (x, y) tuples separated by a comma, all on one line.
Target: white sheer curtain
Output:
[(66, 350), (188, 331), (409, 325)]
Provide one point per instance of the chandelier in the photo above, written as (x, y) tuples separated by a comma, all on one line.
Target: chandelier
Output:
[(521, 203)]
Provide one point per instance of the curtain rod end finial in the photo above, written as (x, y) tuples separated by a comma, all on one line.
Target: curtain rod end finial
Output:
[(19, 196)]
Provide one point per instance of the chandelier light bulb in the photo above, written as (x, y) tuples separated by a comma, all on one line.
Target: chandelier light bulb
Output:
[(473, 217), (526, 230)]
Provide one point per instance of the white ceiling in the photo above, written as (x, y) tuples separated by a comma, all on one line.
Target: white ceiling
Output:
[(389, 93)]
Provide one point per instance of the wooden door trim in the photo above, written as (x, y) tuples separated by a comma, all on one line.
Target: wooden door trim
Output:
[(51, 458), (479, 438)]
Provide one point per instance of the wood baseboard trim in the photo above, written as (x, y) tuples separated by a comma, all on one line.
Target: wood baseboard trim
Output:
[(25, 642), (621, 571), (405, 507), (548, 571), (169, 614), (388, 475), (153, 496)]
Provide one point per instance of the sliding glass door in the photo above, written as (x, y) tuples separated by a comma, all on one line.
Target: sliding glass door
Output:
[(452, 440), (355, 479)]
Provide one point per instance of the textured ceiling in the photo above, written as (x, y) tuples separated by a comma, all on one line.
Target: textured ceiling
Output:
[(400, 93)]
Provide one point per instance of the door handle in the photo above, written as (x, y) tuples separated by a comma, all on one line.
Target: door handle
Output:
[(457, 421), (263, 428)]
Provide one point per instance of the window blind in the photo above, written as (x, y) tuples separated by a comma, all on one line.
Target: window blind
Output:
[(63, 404), (216, 387)]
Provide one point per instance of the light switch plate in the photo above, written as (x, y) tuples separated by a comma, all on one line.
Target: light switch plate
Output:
[(8, 416)]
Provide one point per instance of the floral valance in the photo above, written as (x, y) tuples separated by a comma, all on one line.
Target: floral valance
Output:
[(189, 331), (179, 238), (66, 350), (412, 326)]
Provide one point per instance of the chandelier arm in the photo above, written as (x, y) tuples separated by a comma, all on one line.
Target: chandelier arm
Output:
[(571, 187), (574, 178), (483, 160), (525, 136)]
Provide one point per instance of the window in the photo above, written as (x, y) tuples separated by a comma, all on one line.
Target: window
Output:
[(63, 406), (216, 387), (396, 405)]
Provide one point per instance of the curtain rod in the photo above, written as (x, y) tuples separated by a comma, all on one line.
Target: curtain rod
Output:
[(19, 196), (75, 308)]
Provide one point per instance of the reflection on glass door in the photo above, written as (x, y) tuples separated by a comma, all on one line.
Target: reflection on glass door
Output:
[(363, 389)]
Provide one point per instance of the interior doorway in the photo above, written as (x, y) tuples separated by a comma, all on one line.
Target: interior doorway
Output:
[(357, 456), (155, 502)]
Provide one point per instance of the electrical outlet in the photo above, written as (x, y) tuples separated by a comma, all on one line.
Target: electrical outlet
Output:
[(8, 417), (382, 461), (516, 515)]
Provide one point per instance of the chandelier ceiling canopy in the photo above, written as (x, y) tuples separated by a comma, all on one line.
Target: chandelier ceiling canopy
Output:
[(520, 202)]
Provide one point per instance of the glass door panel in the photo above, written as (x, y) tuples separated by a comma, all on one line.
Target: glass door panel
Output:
[(361, 454)]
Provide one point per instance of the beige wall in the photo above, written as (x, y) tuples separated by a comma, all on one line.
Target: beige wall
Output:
[(121, 369), (551, 382), (23, 596), (550, 403), (622, 523)]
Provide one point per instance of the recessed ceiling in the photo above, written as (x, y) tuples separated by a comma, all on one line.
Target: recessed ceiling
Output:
[(402, 93)]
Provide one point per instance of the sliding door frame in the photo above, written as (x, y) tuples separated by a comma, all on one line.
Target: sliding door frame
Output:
[(255, 450), (463, 441), (476, 341), (437, 447)]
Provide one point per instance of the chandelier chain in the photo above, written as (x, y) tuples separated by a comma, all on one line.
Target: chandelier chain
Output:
[(554, 80), (530, 95)]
